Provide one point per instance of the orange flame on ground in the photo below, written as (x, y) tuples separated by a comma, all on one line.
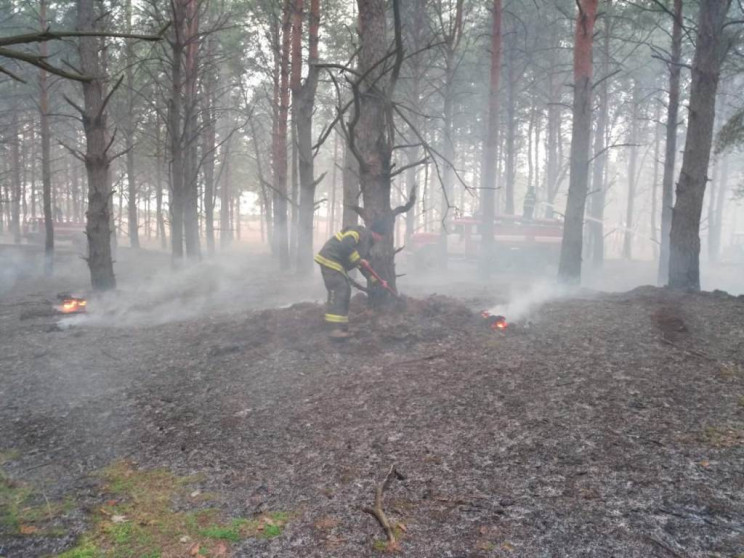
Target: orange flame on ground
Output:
[(73, 305), (496, 322)]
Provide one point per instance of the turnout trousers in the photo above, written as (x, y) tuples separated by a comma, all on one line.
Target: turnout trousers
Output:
[(339, 296)]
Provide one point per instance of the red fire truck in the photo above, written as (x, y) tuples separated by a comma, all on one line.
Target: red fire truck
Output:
[(519, 242), (70, 231)]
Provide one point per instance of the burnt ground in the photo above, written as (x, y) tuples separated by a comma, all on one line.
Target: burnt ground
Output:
[(601, 425)]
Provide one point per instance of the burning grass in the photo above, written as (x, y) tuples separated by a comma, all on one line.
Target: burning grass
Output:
[(139, 519)]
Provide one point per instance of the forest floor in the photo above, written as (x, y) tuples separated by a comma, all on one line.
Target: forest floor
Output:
[(200, 418)]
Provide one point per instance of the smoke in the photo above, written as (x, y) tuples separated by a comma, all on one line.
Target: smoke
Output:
[(230, 283), (524, 303)]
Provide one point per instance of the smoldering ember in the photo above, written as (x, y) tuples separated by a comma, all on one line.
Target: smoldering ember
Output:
[(421, 278)]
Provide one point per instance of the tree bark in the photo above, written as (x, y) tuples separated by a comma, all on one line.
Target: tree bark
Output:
[(488, 176), (209, 145), (597, 199), (570, 264), (46, 171), (226, 233), (710, 50), (350, 188), (189, 138), (451, 39), (670, 150), (655, 182), (279, 146), (160, 219), (331, 223), (372, 133), (97, 159), (129, 134), (15, 189), (716, 224), (632, 173), (511, 132), (176, 132), (304, 103)]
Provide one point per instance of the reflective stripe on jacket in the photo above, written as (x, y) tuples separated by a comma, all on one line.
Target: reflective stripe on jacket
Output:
[(345, 249)]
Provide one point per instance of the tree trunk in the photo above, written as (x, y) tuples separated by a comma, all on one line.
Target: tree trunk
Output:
[(350, 188), (226, 233), (670, 151), (189, 138), (511, 129), (655, 182), (209, 138), (175, 131), (266, 200), (710, 50), (279, 146), (331, 223), (97, 159), (160, 219), (571, 248), (488, 176), (716, 224), (304, 102), (372, 135), (15, 189), (597, 199), (34, 158), (632, 174), (46, 171), (129, 134)]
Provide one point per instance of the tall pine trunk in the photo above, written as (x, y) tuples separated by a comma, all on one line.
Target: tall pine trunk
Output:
[(597, 200), (710, 50), (189, 138), (350, 188), (488, 175), (570, 264), (373, 135), (46, 158), (511, 133), (304, 103), (716, 224), (209, 145), (670, 151), (129, 135), (15, 189), (279, 145), (176, 133), (632, 173), (97, 159)]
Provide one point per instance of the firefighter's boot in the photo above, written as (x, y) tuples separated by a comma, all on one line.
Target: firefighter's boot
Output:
[(339, 334)]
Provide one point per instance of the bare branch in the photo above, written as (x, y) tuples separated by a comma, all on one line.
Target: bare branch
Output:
[(408, 205), (40, 62)]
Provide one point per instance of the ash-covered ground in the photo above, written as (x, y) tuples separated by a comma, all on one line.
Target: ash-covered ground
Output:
[(595, 425)]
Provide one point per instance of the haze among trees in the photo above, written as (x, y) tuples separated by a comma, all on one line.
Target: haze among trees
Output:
[(191, 125)]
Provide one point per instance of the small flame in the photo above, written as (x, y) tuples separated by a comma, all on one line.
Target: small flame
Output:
[(73, 305), (495, 322)]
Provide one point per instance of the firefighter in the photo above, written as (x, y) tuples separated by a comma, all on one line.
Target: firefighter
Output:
[(530, 199), (346, 250)]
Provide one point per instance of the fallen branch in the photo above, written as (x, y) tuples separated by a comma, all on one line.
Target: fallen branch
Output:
[(377, 511)]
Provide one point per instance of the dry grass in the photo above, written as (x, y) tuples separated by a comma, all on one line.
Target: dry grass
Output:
[(138, 519)]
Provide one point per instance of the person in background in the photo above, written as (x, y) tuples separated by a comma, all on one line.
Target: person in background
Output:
[(346, 250)]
